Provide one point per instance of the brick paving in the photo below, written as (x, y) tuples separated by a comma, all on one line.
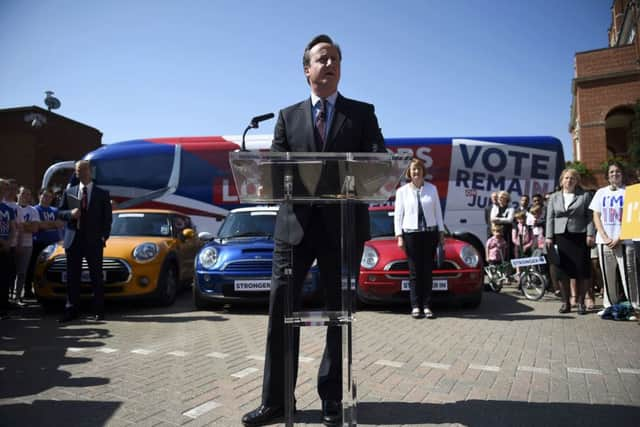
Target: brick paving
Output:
[(510, 362)]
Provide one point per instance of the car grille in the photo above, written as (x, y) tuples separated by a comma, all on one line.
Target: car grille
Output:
[(403, 266), (87, 289), (248, 265), (398, 265), (116, 270)]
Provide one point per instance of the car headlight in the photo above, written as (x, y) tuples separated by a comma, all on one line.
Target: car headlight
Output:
[(369, 257), (469, 256), (145, 251), (46, 252), (208, 257)]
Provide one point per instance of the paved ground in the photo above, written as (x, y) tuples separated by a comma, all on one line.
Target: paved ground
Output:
[(510, 362)]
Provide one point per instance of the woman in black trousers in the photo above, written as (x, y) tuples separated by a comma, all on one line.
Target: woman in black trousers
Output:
[(419, 228)]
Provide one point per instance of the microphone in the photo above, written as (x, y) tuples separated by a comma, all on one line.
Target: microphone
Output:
[(254, 125), (262, 118)]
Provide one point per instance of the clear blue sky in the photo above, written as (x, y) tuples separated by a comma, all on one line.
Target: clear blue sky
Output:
[(153, 68)]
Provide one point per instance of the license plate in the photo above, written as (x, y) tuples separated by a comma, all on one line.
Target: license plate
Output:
[(84, 276), (438, 285), (252, 285)]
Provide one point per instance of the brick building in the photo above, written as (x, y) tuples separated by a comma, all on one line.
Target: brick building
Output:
[(605, 90), (32, 139)]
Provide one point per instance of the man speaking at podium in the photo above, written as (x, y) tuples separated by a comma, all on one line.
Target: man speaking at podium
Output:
[(326, 122)]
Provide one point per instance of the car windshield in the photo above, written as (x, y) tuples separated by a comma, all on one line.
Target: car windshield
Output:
[(381, 223), (141, 224), (243, 224)]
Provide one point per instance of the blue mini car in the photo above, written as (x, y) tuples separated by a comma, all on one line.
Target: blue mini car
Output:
[(235, 266)]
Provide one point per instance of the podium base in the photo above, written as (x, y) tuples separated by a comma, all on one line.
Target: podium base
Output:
[(319, 318)]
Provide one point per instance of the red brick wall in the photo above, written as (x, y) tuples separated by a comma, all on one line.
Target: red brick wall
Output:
[(594, 150), (605, 79), (26, 152), (606, 61), (596, 100)]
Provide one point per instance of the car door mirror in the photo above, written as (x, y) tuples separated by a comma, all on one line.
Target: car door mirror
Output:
[(188, 233), (205, 236)]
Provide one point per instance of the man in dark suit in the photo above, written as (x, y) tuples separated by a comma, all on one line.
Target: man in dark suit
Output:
[(87, 210), (327, 122)]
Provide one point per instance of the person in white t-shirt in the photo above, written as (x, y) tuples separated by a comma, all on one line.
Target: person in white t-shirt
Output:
[(27, 219), (613, 253)]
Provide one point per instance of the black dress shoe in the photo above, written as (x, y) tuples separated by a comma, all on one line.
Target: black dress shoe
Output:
[(68, 317), (263, 415), (582, 309), (564, 308), (331, 412), (98, 317)]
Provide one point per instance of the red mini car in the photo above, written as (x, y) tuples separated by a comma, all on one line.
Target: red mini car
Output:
[(384, 269)]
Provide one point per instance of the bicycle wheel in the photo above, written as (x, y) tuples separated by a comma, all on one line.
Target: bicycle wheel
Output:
[(533, 285), (493, 274), (496, 285)]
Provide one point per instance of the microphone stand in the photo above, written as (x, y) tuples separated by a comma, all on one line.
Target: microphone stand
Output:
[(254, 125)]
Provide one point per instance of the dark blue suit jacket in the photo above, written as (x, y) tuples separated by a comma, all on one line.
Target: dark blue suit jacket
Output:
[(98, 224), (354, 129)]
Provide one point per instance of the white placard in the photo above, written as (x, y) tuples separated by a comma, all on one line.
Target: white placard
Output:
[(525, 262), (252, 285)]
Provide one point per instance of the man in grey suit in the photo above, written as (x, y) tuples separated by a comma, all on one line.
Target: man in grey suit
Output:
[(87, 210), (326, 122)]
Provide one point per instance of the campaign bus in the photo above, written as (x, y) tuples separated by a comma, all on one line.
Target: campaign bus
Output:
[(192, 174)]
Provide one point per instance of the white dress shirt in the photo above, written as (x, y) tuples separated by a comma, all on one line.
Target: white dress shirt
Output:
[(405, 216)]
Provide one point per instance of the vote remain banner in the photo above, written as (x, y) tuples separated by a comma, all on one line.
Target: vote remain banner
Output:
[(631, 213)]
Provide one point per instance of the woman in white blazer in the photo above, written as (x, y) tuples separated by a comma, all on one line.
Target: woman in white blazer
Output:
[(419, 228)]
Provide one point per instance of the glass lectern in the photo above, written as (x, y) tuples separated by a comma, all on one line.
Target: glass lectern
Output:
[(346, 179)]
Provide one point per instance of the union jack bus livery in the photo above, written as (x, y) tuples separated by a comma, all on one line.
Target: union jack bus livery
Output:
[(192, 174)]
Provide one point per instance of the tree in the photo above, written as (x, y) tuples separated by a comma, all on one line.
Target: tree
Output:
[(587, 178)]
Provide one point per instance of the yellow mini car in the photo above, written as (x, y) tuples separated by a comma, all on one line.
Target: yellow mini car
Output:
[(149, 255)]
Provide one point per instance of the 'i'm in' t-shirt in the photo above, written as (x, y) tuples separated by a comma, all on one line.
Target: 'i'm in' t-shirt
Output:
[(609, 204)]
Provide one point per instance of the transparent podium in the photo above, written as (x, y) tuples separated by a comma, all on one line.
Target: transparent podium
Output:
[(342, 179)]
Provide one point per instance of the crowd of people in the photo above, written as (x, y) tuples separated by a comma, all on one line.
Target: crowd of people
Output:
[(26, 229), (578, 230)]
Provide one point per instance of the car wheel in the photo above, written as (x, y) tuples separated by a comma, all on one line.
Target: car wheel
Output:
[(474, 301), (199, 302), (202, 303), (360, 301), (167, 285)]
